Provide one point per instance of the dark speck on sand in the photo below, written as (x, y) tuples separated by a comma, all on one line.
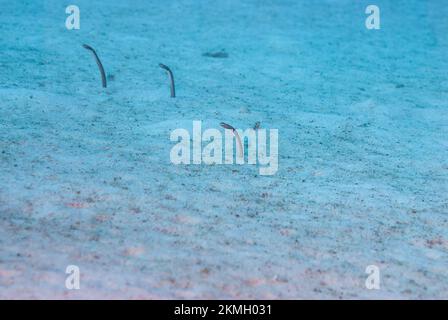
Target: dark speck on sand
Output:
[(219, 54)]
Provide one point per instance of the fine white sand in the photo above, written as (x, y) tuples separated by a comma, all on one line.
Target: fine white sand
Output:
[(86, 178)]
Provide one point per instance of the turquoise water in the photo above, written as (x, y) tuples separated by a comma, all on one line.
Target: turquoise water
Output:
[(86, 177)]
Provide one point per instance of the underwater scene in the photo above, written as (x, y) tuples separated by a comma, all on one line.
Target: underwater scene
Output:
[(235, 149)]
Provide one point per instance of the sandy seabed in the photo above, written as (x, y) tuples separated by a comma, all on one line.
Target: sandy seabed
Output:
[(86, 178)]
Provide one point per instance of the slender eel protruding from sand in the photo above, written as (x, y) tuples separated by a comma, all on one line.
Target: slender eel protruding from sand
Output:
[(238, 139), (170, 75), (98, 62)]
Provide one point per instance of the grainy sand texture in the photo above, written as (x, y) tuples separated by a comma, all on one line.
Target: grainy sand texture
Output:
[(86, 177)]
